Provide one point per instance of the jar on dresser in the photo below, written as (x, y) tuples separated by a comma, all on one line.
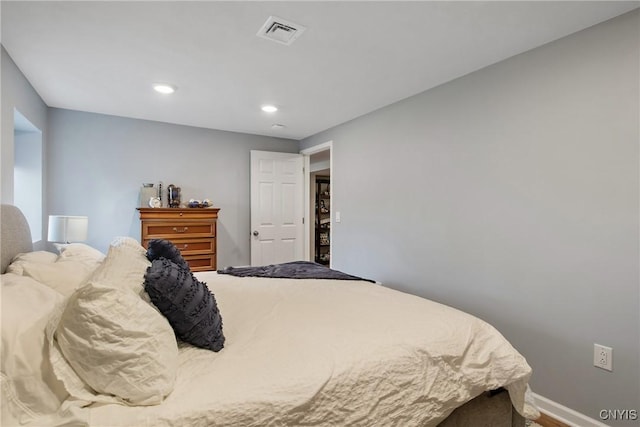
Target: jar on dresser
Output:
[(192, 230)]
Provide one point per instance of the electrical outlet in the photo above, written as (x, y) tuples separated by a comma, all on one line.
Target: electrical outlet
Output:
[(603, 357)]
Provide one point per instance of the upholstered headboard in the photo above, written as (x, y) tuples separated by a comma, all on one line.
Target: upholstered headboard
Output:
[(15, 235)]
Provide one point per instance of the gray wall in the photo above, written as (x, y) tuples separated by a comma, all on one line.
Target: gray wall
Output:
[(17, 93), (512, 193), (97, 164)]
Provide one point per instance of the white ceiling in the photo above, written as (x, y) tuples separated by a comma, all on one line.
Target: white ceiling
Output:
[(353, 58)]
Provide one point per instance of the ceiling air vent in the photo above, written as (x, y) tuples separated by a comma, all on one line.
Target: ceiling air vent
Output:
[(280, 30)]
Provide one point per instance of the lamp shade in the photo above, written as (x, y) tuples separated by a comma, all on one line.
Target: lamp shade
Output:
[(67, 229)]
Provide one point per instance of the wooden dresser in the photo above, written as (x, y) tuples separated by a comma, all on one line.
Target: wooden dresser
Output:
[(192, 230)]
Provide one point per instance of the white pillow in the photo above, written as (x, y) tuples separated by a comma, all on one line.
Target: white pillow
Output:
[(37, 257), (124, 266), (81, 252), (118, 345), (64, 273), (111, 345), (30, 388), (64, 276)]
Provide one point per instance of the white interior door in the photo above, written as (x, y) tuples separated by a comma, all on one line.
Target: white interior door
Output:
[(276, 207)]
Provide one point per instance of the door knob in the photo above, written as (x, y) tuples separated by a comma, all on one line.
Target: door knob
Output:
[(255, 233)]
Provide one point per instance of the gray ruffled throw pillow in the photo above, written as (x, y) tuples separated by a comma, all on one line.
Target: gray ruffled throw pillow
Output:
[(186, 302)]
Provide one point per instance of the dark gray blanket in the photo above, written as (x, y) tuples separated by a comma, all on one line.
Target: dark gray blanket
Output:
[(291, 270)]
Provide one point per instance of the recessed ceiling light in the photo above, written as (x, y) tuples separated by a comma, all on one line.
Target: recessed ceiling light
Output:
[(277, 126), (269, 108), (164, 88)]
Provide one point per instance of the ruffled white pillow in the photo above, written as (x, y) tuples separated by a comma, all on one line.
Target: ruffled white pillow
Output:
[(118, 344), (124, 266), (110, 344)]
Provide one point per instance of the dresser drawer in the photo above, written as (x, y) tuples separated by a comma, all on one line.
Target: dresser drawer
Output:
[(176, 214), (191, 246), (175, 229), (201, 262)]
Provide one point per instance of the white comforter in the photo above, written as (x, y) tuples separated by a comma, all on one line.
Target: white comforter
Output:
[(330, 353)]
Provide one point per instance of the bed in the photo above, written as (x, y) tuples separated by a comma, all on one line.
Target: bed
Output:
[(296, 352)]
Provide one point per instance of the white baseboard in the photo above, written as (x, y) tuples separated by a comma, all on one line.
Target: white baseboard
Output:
[(564, 414)]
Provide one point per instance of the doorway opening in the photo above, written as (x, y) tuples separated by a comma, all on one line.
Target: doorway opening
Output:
[(318, 196)]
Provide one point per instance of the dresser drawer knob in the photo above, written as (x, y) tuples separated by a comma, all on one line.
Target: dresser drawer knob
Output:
[(183, 247), (181, 230)]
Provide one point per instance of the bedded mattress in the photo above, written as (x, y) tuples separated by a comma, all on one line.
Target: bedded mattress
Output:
[(328, 353)]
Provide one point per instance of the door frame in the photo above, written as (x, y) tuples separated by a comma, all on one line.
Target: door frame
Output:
[(309, 204)]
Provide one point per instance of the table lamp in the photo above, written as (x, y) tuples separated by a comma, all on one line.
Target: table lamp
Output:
[(67, 229)]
